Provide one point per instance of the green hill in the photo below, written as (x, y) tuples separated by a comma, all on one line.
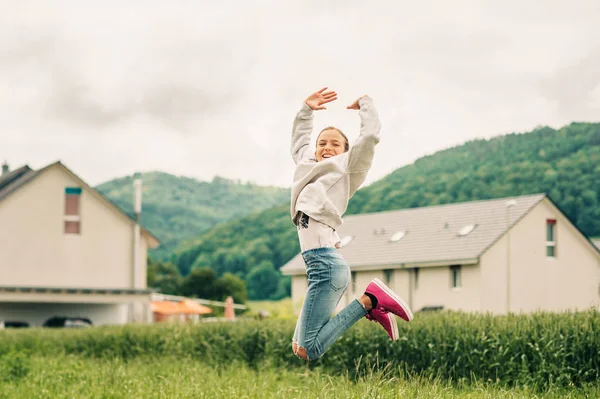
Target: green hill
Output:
[(179, 208), (564, 163)]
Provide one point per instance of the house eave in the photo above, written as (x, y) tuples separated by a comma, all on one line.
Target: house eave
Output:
[(73, 294), (395, 265)]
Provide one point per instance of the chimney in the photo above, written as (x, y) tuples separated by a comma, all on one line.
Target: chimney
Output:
[(137, 209), (5, 168), (137, 196)]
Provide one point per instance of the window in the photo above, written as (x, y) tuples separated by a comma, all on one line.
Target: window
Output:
[(398, 236), (455, 278), (416, 274), (346, 240), (389, 276), (353, 278), (551, 238), (466, 230), (72, 210)]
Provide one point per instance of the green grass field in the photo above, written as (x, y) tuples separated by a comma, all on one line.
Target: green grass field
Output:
[(282, 309), (169, 377), (444, 354)]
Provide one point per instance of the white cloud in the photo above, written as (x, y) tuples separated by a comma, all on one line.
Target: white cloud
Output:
[(199, 89)]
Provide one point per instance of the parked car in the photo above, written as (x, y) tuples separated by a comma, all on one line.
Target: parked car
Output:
[(13, 324), (68, 322), (433, 308)]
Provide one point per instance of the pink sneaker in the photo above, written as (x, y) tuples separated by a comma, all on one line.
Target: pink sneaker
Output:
[(388, 300), (387, 321)]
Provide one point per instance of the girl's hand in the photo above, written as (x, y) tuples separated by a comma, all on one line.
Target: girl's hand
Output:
[(316, 100), (355, 105)]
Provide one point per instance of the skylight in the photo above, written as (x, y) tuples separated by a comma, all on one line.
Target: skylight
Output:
[(398, 236), (466, 230), (346, 240)]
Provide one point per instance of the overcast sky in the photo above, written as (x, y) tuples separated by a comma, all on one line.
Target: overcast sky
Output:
[(199, 88)]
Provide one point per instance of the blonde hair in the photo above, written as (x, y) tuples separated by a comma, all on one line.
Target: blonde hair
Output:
[(346, 145)]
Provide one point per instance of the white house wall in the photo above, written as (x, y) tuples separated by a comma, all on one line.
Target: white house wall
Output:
[(400, 284), (537, 282), (36, 252), (362, 279), (434, 288), (299, 286), (493, 277)]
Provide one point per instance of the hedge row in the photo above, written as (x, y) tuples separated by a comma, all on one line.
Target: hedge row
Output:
[(539, 350)]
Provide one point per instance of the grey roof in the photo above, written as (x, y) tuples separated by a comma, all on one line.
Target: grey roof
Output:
[(431, 234), (11, 181)]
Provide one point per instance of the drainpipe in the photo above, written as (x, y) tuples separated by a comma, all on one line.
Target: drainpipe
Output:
[(137, 209)]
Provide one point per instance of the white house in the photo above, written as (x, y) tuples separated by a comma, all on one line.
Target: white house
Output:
[(66, 250), (518, 254)]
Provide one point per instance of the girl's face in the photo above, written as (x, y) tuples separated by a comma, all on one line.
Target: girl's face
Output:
[(329, 144)]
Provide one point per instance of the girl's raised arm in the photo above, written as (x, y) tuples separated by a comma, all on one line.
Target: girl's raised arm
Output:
[(303, 123), (361, 153)]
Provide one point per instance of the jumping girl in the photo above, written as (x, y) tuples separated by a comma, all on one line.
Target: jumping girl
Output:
[(323, 184)]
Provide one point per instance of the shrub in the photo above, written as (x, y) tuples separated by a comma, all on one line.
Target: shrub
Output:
[(14, 366), (537, 351)]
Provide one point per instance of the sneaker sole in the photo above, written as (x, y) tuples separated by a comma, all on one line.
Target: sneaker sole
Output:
[(395, 333), (391, 293)]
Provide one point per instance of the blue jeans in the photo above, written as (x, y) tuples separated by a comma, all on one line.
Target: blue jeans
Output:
[(328, 277)]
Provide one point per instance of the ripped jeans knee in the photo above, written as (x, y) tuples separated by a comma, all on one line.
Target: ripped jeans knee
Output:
[(299, 351)]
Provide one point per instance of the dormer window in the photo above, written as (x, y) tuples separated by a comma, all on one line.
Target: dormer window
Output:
[(466, 230), (398, 236), (346, 240)]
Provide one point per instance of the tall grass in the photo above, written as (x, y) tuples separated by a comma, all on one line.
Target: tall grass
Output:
[(538, 351), (170, 377)]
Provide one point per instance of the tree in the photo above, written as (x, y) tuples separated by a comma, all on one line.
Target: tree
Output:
[(284, 288), (262, 281), (234, 286), (164, 277), (201, 283)]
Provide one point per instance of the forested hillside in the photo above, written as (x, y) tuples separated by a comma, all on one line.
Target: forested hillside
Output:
[(179, 208), (564, 163)]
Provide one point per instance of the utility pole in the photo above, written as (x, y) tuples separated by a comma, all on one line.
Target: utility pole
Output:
[(135, 267), (137, 210)]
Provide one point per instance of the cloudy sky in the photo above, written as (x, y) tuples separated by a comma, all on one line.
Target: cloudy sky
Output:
[(201, 88)]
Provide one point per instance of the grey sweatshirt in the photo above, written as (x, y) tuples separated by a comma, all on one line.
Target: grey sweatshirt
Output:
[(322, 189)]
